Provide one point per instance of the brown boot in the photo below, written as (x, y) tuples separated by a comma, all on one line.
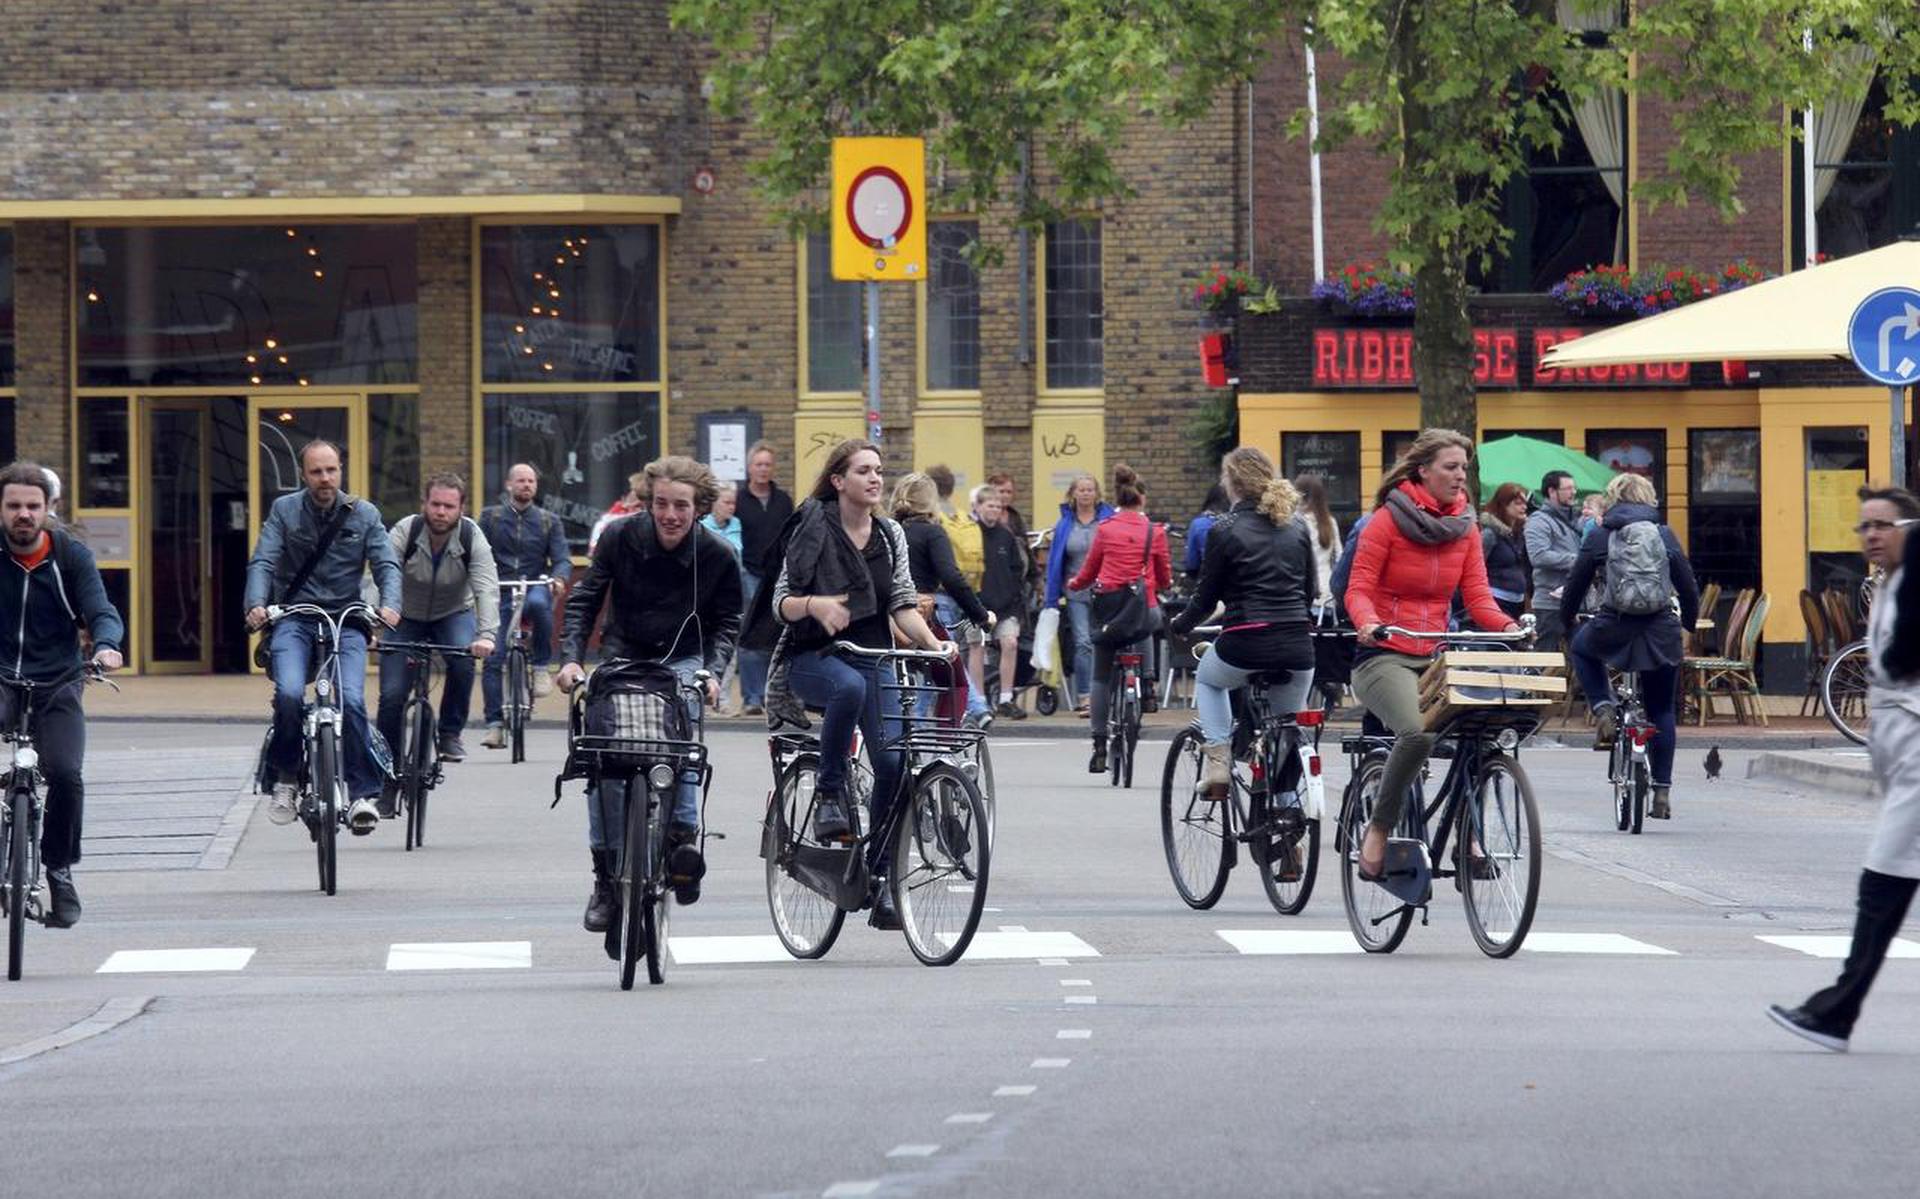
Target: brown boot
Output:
[(1216, 769)]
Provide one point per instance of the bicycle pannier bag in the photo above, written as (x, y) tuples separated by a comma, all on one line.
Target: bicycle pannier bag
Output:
[(1638, 580)]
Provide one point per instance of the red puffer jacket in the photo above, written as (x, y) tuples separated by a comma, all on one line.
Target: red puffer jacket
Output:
[(1397, 580)]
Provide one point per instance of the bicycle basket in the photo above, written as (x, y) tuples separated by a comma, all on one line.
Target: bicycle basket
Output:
[(1461, 681), (629, 717)]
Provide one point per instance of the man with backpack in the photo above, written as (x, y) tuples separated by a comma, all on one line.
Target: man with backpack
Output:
[(1635, 565), (449, 595)]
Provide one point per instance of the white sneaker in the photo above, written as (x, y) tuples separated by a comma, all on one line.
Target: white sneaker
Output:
[(363, 817), (542, 684), (284, 805), (496, 737)]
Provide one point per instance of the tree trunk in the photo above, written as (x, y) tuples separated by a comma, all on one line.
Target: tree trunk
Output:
[(1443, 347)]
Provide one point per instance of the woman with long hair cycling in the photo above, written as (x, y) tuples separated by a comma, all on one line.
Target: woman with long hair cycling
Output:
[(1259, 563), (846, 578), (1420, 546), (1126, 546)]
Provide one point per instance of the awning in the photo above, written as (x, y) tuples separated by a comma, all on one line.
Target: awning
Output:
[(1797, 316)]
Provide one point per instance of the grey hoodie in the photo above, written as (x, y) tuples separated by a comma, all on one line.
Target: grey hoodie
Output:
[(1553, 542)]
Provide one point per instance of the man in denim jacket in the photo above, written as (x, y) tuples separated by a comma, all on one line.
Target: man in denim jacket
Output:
[(292, 530)]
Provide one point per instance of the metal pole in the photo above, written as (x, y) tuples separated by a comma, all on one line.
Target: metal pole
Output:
[(873, 361), (1897, 398)]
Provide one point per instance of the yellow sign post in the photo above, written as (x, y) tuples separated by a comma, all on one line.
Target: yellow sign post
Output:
[(879, 218)]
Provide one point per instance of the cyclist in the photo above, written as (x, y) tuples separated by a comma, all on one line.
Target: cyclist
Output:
[(313, 548), (449, 595), (1080, 515), (1420, 545), (1260, 563), (1641, 571), (528, 542), (846, 578), (1119, 555), (671, 590), (52, 587)]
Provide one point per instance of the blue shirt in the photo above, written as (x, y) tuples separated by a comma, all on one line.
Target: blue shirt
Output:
[(729, 532)]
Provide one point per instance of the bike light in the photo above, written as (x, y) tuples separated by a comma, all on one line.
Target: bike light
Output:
[(661, 776), (1310, 720), (25, 758), (323, 687), (1313, 765), (1507, 739), (1640, 735)]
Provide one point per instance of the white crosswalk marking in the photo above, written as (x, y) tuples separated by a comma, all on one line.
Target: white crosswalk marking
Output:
[(1014, 942), (711, 951), (175, 961), (1614, 943), (1837, 947), (461, 955), (1288, 941)]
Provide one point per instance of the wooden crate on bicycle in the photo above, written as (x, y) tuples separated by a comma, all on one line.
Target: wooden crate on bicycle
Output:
[(1478, 679)]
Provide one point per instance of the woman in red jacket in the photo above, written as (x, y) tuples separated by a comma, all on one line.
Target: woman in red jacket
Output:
[(1420, 545), (1119, 555)]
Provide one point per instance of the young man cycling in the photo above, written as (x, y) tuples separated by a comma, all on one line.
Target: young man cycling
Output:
[(671, 590)]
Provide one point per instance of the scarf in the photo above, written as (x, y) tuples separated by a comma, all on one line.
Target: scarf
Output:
[(1420, 523), (821, 560)]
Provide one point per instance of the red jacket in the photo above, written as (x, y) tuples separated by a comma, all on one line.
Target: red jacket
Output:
[(1118, 555), (1396, 580)]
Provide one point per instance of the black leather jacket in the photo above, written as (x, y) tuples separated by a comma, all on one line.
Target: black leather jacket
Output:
[(656, 595), (1261, 571)]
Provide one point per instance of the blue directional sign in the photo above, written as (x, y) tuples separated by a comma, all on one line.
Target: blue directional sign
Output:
[(1884, 336)]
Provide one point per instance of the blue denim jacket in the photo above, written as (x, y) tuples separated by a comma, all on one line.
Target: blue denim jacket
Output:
[(287, 538)]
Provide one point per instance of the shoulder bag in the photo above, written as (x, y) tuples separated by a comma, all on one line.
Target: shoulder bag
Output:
[(1121, 616), (263, 649)]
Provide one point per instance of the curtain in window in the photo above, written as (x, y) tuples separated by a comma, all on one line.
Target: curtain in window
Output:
[(1834, 121), (1602, 117)]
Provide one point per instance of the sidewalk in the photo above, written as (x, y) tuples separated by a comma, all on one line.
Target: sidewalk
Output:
[(185, 698)]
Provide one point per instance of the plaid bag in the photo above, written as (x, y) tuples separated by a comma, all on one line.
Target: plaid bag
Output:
[(645, 716)]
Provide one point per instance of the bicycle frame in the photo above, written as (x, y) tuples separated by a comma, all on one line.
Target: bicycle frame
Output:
[(325, 708)]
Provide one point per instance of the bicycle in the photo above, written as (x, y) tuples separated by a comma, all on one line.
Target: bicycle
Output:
[(1627, 766), (1843, 692), (937, 832), (1275, 812), (645, 757), (418, 762), (23, 889), (517, 705), (1123, 717), (1485, 793), (323, 803)]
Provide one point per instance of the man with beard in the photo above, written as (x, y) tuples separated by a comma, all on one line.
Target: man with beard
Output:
[(528, 542), (449, 595), (1553, 542), (51, 586)]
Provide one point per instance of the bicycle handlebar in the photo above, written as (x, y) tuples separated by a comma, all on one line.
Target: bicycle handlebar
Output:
[(523, 584), (917, 655), (1523, 633), (425, 649), (276, 612)]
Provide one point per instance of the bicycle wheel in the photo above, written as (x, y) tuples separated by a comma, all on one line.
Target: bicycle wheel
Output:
[(1371, 908), (1194, 830), (18, 849), (632, 883), (939, 864), (1116, 739), (1641, 786), (980, 761), (326, 803), (1046, 700), (418, 759), (1843, 692), (654, 908), (1500, 890), (1132, 726), (805, 920), (1621, 776), (519, 699), (1290, 854)]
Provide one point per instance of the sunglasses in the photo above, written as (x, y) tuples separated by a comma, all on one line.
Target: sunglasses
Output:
[(1881, 526)]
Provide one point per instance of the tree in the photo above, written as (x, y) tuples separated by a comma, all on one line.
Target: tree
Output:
[(1451, 90)]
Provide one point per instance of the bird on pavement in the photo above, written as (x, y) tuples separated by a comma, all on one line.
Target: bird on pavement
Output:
[(1713, 764)]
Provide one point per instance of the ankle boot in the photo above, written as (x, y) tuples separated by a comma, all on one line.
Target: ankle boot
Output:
[(600, 904), (1216, 769), (1662, 808), (1099, 763)]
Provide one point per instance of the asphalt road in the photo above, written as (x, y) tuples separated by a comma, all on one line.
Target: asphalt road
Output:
[(1122, 1044)]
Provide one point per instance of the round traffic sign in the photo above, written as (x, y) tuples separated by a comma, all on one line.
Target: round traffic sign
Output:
[(879, 207), (1883, 335)]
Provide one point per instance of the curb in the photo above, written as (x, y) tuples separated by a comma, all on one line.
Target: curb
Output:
[(111, 1015), (1830, 772)]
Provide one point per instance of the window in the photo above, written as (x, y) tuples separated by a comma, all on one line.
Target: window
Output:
[(1072, 345), (584, 445), (1394, 443), (1836, 470), (1640, 452), (393, 455), (106, 464), (1723, 506), (833, 325), (1866, 178), (239, 305), (570, 303), (953, 308), (1335, 457)]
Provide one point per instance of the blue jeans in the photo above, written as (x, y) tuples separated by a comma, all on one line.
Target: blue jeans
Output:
[(1659, 695), (456, 691), (947, 611), (753, 662), (539, 610), (1215, 678), (849, 692), (606, 801), (1080, 627), (292, 643)]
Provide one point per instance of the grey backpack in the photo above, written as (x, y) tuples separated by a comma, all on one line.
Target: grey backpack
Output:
[(1639, 582)]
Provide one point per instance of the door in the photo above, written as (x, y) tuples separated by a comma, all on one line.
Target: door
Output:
[(174, 603)]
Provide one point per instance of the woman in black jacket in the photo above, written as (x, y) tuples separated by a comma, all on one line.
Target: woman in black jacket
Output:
[(1503, 542), (1259, 562)]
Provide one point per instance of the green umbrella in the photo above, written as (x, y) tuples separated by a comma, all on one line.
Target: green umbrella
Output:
[(1526, 460)]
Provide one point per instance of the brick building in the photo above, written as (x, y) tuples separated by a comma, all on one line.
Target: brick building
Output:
[(457, 235)]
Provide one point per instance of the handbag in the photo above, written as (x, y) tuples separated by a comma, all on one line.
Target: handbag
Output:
[(263, 648), (1121, 616)]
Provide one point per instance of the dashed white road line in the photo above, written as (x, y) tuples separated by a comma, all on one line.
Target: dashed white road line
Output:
[(1014, 1091), (851, 1190), (461, 955), (1073, 1034), (1836, 947), (1086, 999), (969, 1117), (1076, 982), (913, 1151), (1288, 941), (1609, 943), (1049, 1063), (175, 961), (1016, 942)]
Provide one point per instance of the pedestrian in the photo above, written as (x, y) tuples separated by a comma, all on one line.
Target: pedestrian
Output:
[(1127, 547), (1889, 524), (1323, 531), (1634, 565), (724, 519), (449, 595), (529, 542), (1016, 523), (916, 506), (762, 509), (626, 505), (1003, 590), (1553, 542), (1211, 509), (1503, 539), (51, 589), (1081, 511), (963, 534)]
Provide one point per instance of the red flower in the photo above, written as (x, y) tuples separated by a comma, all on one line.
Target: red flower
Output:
[(1666, 297), (1592, 298)]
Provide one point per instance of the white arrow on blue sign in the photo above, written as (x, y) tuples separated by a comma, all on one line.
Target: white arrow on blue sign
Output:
[(1884, 336)]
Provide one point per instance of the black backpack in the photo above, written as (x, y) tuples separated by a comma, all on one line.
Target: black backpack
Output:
[(413, 540)]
